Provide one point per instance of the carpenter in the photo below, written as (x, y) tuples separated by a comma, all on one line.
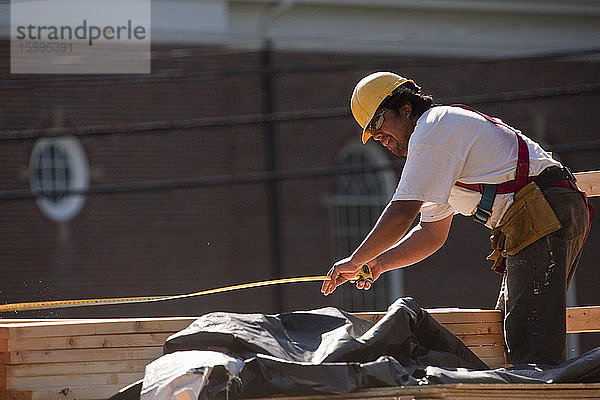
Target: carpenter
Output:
[(461, 161)]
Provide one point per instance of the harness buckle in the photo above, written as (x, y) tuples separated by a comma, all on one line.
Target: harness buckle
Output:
[(481, 215), (484, 208)]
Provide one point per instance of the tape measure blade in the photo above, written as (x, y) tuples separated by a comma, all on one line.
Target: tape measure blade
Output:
[(43, 305)]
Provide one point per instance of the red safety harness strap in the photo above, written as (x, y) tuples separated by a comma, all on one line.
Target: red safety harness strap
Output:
[(522, 178), (504, 187)]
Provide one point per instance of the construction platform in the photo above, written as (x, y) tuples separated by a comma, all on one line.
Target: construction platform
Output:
[(90, 359)]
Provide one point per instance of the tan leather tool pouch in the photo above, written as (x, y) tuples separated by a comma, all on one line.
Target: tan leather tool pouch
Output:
[(528, 219)]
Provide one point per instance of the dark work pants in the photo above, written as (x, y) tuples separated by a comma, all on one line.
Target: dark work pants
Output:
[(536, 281)]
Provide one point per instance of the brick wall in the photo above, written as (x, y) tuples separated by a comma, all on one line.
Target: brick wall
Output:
[(185, 240)]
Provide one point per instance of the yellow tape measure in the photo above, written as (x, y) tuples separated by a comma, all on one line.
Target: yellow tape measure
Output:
[(41, 305), (363, 274)]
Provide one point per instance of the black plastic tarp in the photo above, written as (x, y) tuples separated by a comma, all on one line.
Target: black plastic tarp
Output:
[(331, 351)]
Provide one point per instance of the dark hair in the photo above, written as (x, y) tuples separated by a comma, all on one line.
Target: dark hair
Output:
[(405, 94)]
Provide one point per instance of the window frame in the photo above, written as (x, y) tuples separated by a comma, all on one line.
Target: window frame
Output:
[(76, 178)]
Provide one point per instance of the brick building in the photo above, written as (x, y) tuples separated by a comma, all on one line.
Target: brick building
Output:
[(200, 115)]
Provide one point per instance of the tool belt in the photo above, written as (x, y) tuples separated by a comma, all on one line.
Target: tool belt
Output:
[(529, 218)]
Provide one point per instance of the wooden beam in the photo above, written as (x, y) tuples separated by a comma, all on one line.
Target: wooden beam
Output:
[(495, 362), (488, 351), (465, 321), (68, 393), (474, 328), (589, 182), (583, 319), (447, 315), (70, 381), (73, 367), (72, 355), (508, 391), (93, 327), (496, 339), (444, 316), (85, 341)]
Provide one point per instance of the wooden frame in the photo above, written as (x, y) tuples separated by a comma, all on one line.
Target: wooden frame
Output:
[(44, 359)]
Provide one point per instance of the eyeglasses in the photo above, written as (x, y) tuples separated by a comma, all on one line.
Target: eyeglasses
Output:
[(377, 121)]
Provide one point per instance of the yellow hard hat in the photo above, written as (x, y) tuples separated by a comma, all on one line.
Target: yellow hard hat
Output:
[(368, 95)]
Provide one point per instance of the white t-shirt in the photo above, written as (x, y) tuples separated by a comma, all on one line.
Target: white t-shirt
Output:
[(452, 144)]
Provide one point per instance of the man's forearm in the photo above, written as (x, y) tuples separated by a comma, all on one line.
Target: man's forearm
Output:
[(421, 242), (392, 225)]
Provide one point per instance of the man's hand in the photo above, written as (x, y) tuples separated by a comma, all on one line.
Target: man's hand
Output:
[(392, 225), (341, 272), (345, 270)]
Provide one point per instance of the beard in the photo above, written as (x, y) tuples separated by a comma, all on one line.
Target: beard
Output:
[(397, 152), (396, 149)]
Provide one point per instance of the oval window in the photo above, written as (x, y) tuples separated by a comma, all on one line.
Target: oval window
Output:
[(58, 166)]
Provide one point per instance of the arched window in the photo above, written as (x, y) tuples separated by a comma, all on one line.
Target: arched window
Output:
[(58, 165), (356, 203)]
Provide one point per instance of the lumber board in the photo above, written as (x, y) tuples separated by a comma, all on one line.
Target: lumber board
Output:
[(73, 367), (32, 320), (71, 381), (465, 315), (466, 391), (579, 319), (583, 319), (71, 355), (589, 182), (474, 328), (93, 327), (85, 341), (450, 392), (478, 322), (68, 393), (492, 339), (446, 315), (495, 362), (488, 351)]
